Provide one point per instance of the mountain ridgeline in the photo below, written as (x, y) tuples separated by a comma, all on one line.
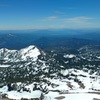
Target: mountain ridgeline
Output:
[(48, 38)]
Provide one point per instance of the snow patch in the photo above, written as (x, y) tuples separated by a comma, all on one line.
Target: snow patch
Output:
[(4, 66), (69, 56)]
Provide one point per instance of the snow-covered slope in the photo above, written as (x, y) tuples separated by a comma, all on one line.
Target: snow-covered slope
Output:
[(28, 53), (30, 73)]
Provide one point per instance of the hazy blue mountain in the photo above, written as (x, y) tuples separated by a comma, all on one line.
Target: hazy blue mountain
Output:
[(48, 38)]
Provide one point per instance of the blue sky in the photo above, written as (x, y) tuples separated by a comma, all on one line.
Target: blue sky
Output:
[(49, 14)]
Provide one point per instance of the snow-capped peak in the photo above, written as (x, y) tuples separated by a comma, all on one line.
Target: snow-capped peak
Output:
[(30, 52)]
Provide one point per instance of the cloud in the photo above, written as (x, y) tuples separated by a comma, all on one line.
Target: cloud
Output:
[(56, 22), (79, 19), (72, 22), (79, 22), (52, 17)]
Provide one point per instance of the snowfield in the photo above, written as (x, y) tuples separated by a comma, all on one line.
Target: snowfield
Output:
[(90, 92), (47, 77), (76, 96), (18, 96), (72, 95)]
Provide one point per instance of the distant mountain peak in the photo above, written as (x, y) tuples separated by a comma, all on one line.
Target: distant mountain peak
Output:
[(30, 52)]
